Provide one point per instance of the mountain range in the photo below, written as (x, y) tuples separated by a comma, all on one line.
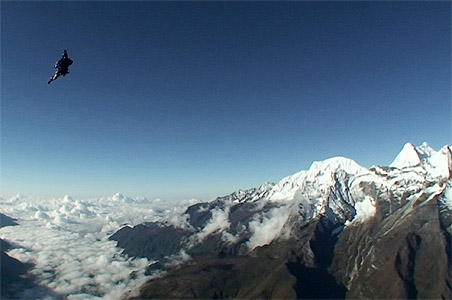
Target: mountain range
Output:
[(336, 230)]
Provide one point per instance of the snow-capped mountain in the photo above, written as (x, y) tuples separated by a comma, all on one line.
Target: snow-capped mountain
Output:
[(358, 232)]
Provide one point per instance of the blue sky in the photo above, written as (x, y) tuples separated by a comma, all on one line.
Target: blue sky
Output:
[(195, 99)]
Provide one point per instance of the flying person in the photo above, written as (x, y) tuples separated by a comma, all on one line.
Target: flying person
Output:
[(62, 67)]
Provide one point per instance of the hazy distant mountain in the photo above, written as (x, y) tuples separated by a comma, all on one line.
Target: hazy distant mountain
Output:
[(336, 230)]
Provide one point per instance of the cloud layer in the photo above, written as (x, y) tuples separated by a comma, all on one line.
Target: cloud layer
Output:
[(67, 241)]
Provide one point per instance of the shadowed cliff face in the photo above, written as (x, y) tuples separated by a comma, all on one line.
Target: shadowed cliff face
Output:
[(275, 271), (404, 256), (335, 231), (152, 240)]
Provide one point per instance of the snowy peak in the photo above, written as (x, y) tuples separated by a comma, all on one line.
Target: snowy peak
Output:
[(437, 164), (333, 165), (425, 150), (346, 191), (408, 157), (320, 175)]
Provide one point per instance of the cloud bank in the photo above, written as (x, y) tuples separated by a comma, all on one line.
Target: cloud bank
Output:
[(67, 241)]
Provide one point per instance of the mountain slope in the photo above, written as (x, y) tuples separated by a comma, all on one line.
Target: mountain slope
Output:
[(336, 230)]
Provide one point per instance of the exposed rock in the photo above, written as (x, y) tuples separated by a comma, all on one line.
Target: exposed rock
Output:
[(391, 259), (151, 240)]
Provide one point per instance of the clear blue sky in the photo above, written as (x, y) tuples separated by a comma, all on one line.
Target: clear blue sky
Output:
[(195, 99)]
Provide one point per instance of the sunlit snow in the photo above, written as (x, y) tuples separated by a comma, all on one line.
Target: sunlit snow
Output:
[(408, 157)]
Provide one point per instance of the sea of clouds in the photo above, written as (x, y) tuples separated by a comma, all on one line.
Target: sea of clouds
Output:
[(66, 240)]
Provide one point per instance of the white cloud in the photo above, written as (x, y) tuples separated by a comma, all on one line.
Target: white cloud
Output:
[(218, 222), (365, 209), (229, 237), (267, 226), (67, 240)]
